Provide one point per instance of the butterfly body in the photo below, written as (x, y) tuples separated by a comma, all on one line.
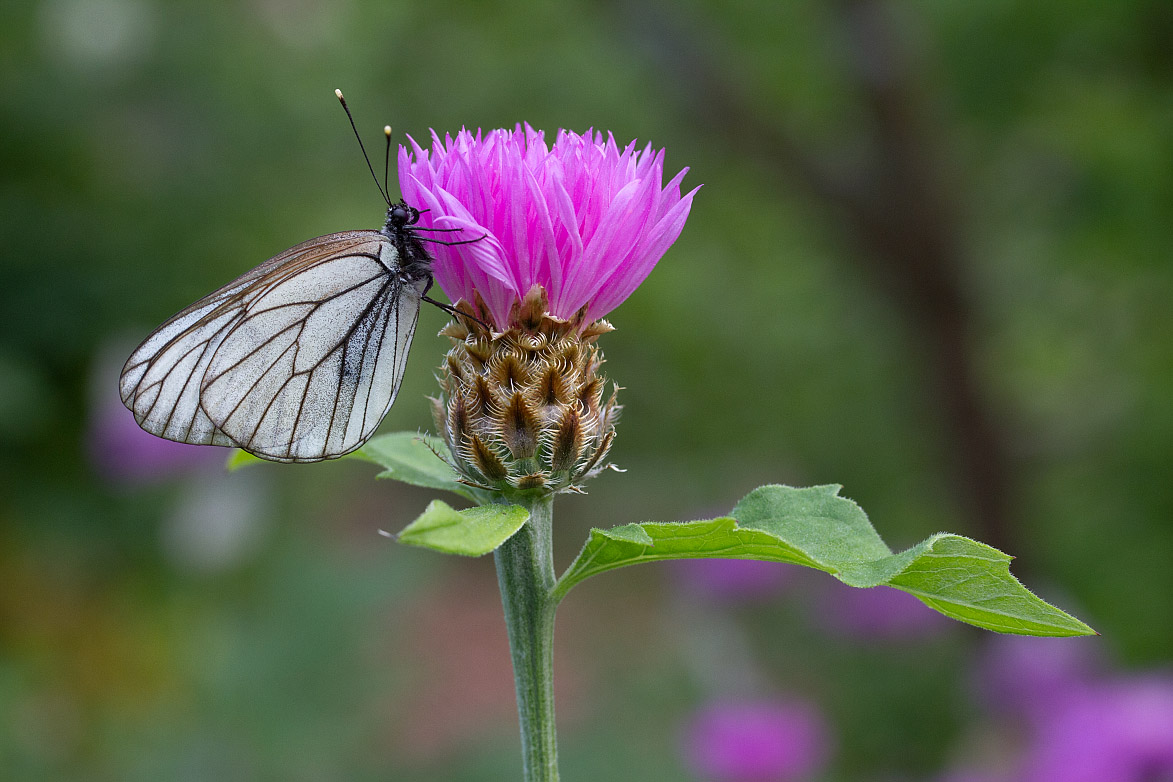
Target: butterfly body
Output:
[(297, 360)]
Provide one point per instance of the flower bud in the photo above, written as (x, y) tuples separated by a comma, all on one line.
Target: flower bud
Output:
[(524, 409)]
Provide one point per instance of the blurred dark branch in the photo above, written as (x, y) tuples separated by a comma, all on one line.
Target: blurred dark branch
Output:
[(897, 204)]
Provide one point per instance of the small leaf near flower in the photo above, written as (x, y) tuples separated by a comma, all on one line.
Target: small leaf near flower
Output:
[(815, 527), (471, 532), (238, 458), (413, 458)]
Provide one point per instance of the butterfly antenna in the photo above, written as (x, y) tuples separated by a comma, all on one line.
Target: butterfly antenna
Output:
[(342, 100), (386, 158)]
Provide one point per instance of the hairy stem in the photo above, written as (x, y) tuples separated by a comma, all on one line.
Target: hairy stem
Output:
[(525, 574)]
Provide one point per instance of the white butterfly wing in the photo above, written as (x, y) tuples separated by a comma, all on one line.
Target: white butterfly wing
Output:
[(304, 378), (297, 360), (160, 382)]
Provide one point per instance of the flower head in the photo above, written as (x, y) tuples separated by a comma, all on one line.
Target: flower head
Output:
[(583, 219), (550, 240)]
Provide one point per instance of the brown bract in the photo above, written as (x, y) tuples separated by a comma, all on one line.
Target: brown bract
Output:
[(523, 409)]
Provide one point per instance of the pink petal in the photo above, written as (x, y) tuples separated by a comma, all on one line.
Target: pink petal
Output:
[(584, 218), (625, 280)]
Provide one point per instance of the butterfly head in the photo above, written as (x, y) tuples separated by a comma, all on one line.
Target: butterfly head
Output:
[(400, 216)]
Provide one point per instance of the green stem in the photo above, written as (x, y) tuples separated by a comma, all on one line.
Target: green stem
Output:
[(525, 574)]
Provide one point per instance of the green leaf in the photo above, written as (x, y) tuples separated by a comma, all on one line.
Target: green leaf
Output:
[(238, 458), (471, 532), (412, 458), (404, 456), (817, 528)]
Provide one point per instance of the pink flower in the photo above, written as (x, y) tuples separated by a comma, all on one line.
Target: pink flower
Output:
[(122, 453), (1117, 731), (1078, 724), (1036, 677), (756, 740), (877, 614), (585, 219), (732, 579)]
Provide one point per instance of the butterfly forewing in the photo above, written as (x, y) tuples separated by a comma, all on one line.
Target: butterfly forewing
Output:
[(297, 360)]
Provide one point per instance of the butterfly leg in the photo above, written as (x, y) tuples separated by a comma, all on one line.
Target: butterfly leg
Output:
[(452, 310)]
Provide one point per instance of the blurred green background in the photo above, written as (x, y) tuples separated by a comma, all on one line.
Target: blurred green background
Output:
[(930, 261)]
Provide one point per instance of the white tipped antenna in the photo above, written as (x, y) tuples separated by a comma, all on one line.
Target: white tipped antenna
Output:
[(386, 158), (349, 116)]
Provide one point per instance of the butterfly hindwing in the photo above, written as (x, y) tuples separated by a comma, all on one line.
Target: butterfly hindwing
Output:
[(160, 383)]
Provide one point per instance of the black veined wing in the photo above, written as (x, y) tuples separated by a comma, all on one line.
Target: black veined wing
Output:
[(296, 361)]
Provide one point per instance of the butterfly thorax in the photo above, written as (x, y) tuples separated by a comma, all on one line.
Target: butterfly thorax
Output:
[(414, 261)]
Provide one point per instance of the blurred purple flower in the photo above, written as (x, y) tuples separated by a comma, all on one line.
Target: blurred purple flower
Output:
[(585, 219), (123, 453), (1034, 677), (973, 775), (755, 741), (731, 579), (1080, 725), (876, 613), (1119, 731)]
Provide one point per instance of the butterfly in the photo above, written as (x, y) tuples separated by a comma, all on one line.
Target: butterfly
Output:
[(299, 359)]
